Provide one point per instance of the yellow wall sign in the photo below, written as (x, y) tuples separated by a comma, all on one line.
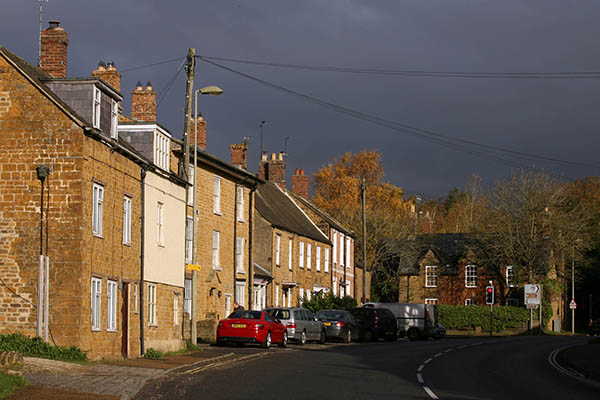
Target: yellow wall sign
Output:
[(193, 267)]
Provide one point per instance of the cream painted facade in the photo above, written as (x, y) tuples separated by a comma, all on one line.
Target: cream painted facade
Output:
[(164, 211)]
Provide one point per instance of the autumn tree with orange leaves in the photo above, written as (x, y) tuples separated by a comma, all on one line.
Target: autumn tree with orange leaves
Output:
[(337, 190)]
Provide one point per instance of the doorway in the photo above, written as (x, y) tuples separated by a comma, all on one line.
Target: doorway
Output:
[(125, 320)]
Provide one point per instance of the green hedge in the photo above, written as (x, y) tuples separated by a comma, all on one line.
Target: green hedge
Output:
[(505, 317), (320, 301), (36, 347)]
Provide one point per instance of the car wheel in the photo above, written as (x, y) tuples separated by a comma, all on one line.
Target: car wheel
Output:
[(302, 338), (322, 338), (368, 336), (348, 337), (413, 334), (284, 340), (267, 343)]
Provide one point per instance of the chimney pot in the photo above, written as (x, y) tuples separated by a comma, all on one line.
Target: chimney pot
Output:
[(53, 24), (273, 156), (149, 85), (297, 171), (302, 171)]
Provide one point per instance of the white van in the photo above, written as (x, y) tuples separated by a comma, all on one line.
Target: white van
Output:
[(415, 320)]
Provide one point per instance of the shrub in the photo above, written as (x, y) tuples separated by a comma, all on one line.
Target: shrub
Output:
[(320, 301), (466, 317), (10, 384), (153, 354), (36, 347)]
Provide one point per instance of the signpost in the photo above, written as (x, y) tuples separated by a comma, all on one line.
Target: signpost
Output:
[(533, 300)]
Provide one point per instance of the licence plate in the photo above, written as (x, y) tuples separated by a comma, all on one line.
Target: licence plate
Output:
[(327, 323), (389, 333), (238, 325)]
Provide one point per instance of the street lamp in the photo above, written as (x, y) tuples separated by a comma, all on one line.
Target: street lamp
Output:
[(212, 91), (42, 173)]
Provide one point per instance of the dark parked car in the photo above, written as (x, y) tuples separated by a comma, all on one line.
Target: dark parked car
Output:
[(375, 323), (595, 327), (339, 324)]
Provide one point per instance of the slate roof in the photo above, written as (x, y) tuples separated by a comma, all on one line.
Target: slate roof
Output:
[(448, 248), (281, 211), (330, 220)]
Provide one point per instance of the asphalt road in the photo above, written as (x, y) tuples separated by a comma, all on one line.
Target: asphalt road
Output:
[(486, 368)]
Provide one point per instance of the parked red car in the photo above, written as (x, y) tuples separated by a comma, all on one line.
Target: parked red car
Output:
[(251, 327)]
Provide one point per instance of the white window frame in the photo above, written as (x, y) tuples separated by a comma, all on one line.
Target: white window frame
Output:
[(152, 305), (469, 302), (217, 195), (301, 255), (276, 295), (189, 250), (290, 254), (341, 249), (240, 204), (431, 276), (111, 305), (239, 255), (135, 297), (114, 119), (335, 286), (175, 309), (431, 301), (227, 304), (471, 276), (277, 250), (301, 296), (187, 296), (127, 220), (511, 278), (348, 288), (96, 304), (97, 110), (160, 237), (335, 247), (318, 258), (97, 208), (240, 293), (326, 260), (216, 264), (348, 247), (308, 256)]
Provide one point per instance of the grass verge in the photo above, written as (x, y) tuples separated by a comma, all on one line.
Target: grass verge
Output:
[(10, 384)]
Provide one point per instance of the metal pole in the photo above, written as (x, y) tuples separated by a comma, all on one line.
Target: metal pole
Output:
[(491, 317), (40, 44), (573, 290), (40, 307), (47, 300), (364, 241), (261, 137), (194, 310)]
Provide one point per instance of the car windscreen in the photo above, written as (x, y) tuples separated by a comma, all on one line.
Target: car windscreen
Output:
[(245, 314), (331, 315), (279, 314)]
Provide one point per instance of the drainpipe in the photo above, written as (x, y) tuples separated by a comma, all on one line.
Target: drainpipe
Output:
[(235, 215), (141, 285), (250, 236)]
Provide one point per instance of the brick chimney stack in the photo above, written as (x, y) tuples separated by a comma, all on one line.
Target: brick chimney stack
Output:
[(300, 183), (238, 155), (53, 59), (273, 170), (109, 74), (143, 103), (201, 132)]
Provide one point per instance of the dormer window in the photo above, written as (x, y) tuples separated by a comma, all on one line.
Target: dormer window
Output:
[(114, 119), (96, 111), (161, 150)]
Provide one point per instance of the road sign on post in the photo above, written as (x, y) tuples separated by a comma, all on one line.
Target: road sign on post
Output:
[(572, 304), (533, 294)]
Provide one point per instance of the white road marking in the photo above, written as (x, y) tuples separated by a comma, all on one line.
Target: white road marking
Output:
[(576, 375), (427, 361), (420, 378), (430, 392), (420, 368), (437, 355), (448, 350)]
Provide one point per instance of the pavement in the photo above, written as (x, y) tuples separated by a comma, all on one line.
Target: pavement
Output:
[(113, 380), (123, 379)]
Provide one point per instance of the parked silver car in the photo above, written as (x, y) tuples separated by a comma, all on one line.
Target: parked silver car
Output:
[(301, 323)]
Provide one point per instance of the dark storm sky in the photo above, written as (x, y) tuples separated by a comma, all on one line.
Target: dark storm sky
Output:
[(554, 118)]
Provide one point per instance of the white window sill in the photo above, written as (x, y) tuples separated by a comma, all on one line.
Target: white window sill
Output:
[(470, 287), (99, 236), (242, 272), (96, 329), (127, 244), (430, 286), (217, 268), (219, 213), (111, 331), (243, 221)]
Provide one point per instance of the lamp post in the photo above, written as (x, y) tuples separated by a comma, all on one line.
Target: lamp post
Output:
[(42, 173), (214, 91)]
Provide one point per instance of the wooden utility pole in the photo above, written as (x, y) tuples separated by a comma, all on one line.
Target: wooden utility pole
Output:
[(189, 89)]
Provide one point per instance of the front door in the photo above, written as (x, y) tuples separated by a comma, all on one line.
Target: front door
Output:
[(125, 321)]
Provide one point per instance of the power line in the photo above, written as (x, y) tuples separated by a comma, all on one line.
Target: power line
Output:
[(470, 147), (421, 73), (151, 65), (169, 84)]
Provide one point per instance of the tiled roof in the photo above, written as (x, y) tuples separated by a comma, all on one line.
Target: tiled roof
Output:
[(330, 220), (281, 211)]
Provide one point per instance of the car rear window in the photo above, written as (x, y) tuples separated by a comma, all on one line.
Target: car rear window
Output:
[(334, 315), (245, 314), (280, 314), (384, 312)]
